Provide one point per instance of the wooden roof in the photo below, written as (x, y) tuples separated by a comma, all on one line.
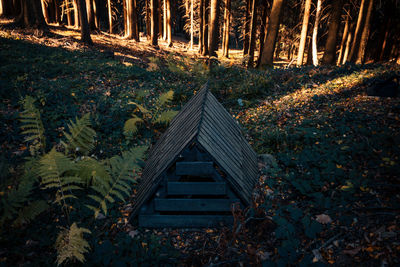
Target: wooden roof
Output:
[(205, 120)]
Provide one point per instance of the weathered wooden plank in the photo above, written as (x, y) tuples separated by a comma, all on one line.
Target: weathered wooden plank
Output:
[(196, 188), (176, 204), (195, 168), (184, 221)]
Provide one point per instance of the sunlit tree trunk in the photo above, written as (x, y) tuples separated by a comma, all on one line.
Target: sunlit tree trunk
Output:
[(227, 23), (247, 21), (131, 32), (76, 13), (154, 22), (348, 43), (344, 39), (160, 22), (303, 36), (68, 11), (205, 27), (164, 21), (169, 23), (267, 56), (90, 14), (334, 24), (315, 34), (357, 34), (214, 28), (263, 33), (148, 18), (253, 28), (191, 24), (32, 14), (201, 11), (45, 11), (85, 30), (110, 20), (365, 34)]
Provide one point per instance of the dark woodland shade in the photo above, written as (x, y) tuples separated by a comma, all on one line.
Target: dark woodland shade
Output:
[(205, 121)]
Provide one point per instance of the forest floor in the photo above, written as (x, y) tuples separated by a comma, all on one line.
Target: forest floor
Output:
[(328, 194)]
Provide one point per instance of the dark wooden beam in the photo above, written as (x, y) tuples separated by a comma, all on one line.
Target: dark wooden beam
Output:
[(184, 221), (161, 204), (196, 168), (196, 188)]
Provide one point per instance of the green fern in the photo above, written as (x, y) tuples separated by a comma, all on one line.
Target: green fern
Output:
[(165, 98), (140, 107), (56, 171), (32, 126), (71, 244), (130, 126), (30, 212), (166, 116), (81, 137), (91, 171), (122, 172)]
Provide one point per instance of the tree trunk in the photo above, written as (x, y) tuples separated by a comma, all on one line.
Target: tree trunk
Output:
[(76, 14), (348, 43), (164, 21), (263, 33), (45, 11), (253, 28), (110, 20), (334, 24), (344, 39), (227, 23), (191, 24), (357, 34), (365, 34), (148, 19), (85, 30), (154, 22), (201, 16), (214, 29), (247, 21), (303, 36), (32, 15), (160, 22), (68, 11), (169, 23), (267, 56), (90, 14), (385, 38), (315, 34), (205, 27)]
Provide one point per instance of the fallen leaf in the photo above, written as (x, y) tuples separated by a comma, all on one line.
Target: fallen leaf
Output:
[(352, 252), (323, 218)]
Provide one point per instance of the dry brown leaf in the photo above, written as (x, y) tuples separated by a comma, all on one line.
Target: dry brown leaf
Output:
[(323, 218)]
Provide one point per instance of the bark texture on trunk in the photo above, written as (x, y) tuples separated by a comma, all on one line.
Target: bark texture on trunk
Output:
[(169, 23), (365, 34), (201, 15), (227, 23), (246, 34), (357, 34), (154, 22), (344, 39), (110, 20), (214, 28), (267, 56), (85, 30), (315, 34), (303, 36), (253, 28), (334, 24), (205, 27)]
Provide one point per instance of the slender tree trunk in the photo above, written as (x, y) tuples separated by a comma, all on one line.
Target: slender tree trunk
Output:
[(135, 21), (201, 17), (68, 11), (85, 30), (227, 22), (303, 36), (154, 22), (76, 14), (357, 34), (263, 34), (125, 11), (267, 56), (191, 24), (344, 39), (160, 22), (169, 23), (214, 29), (385, 38), (164, 21), (253, 29), (365, 34), (57, 12), (148, 19), (205, 27), (90, 14), (110, 19), (45, 11), (246, 33), (315, 34), (348, 43), (309, 51)]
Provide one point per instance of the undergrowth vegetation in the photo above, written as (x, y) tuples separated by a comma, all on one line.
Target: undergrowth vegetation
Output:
[(75, 127)]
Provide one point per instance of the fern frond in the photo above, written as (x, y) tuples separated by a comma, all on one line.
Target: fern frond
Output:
[(32, 126), (30, 212), (140, 107), (81, 137), (130, 126), (141, 94), (166, 116), (71, 244), (122, 177), (165, 98), (91, 171), (55, 171)]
